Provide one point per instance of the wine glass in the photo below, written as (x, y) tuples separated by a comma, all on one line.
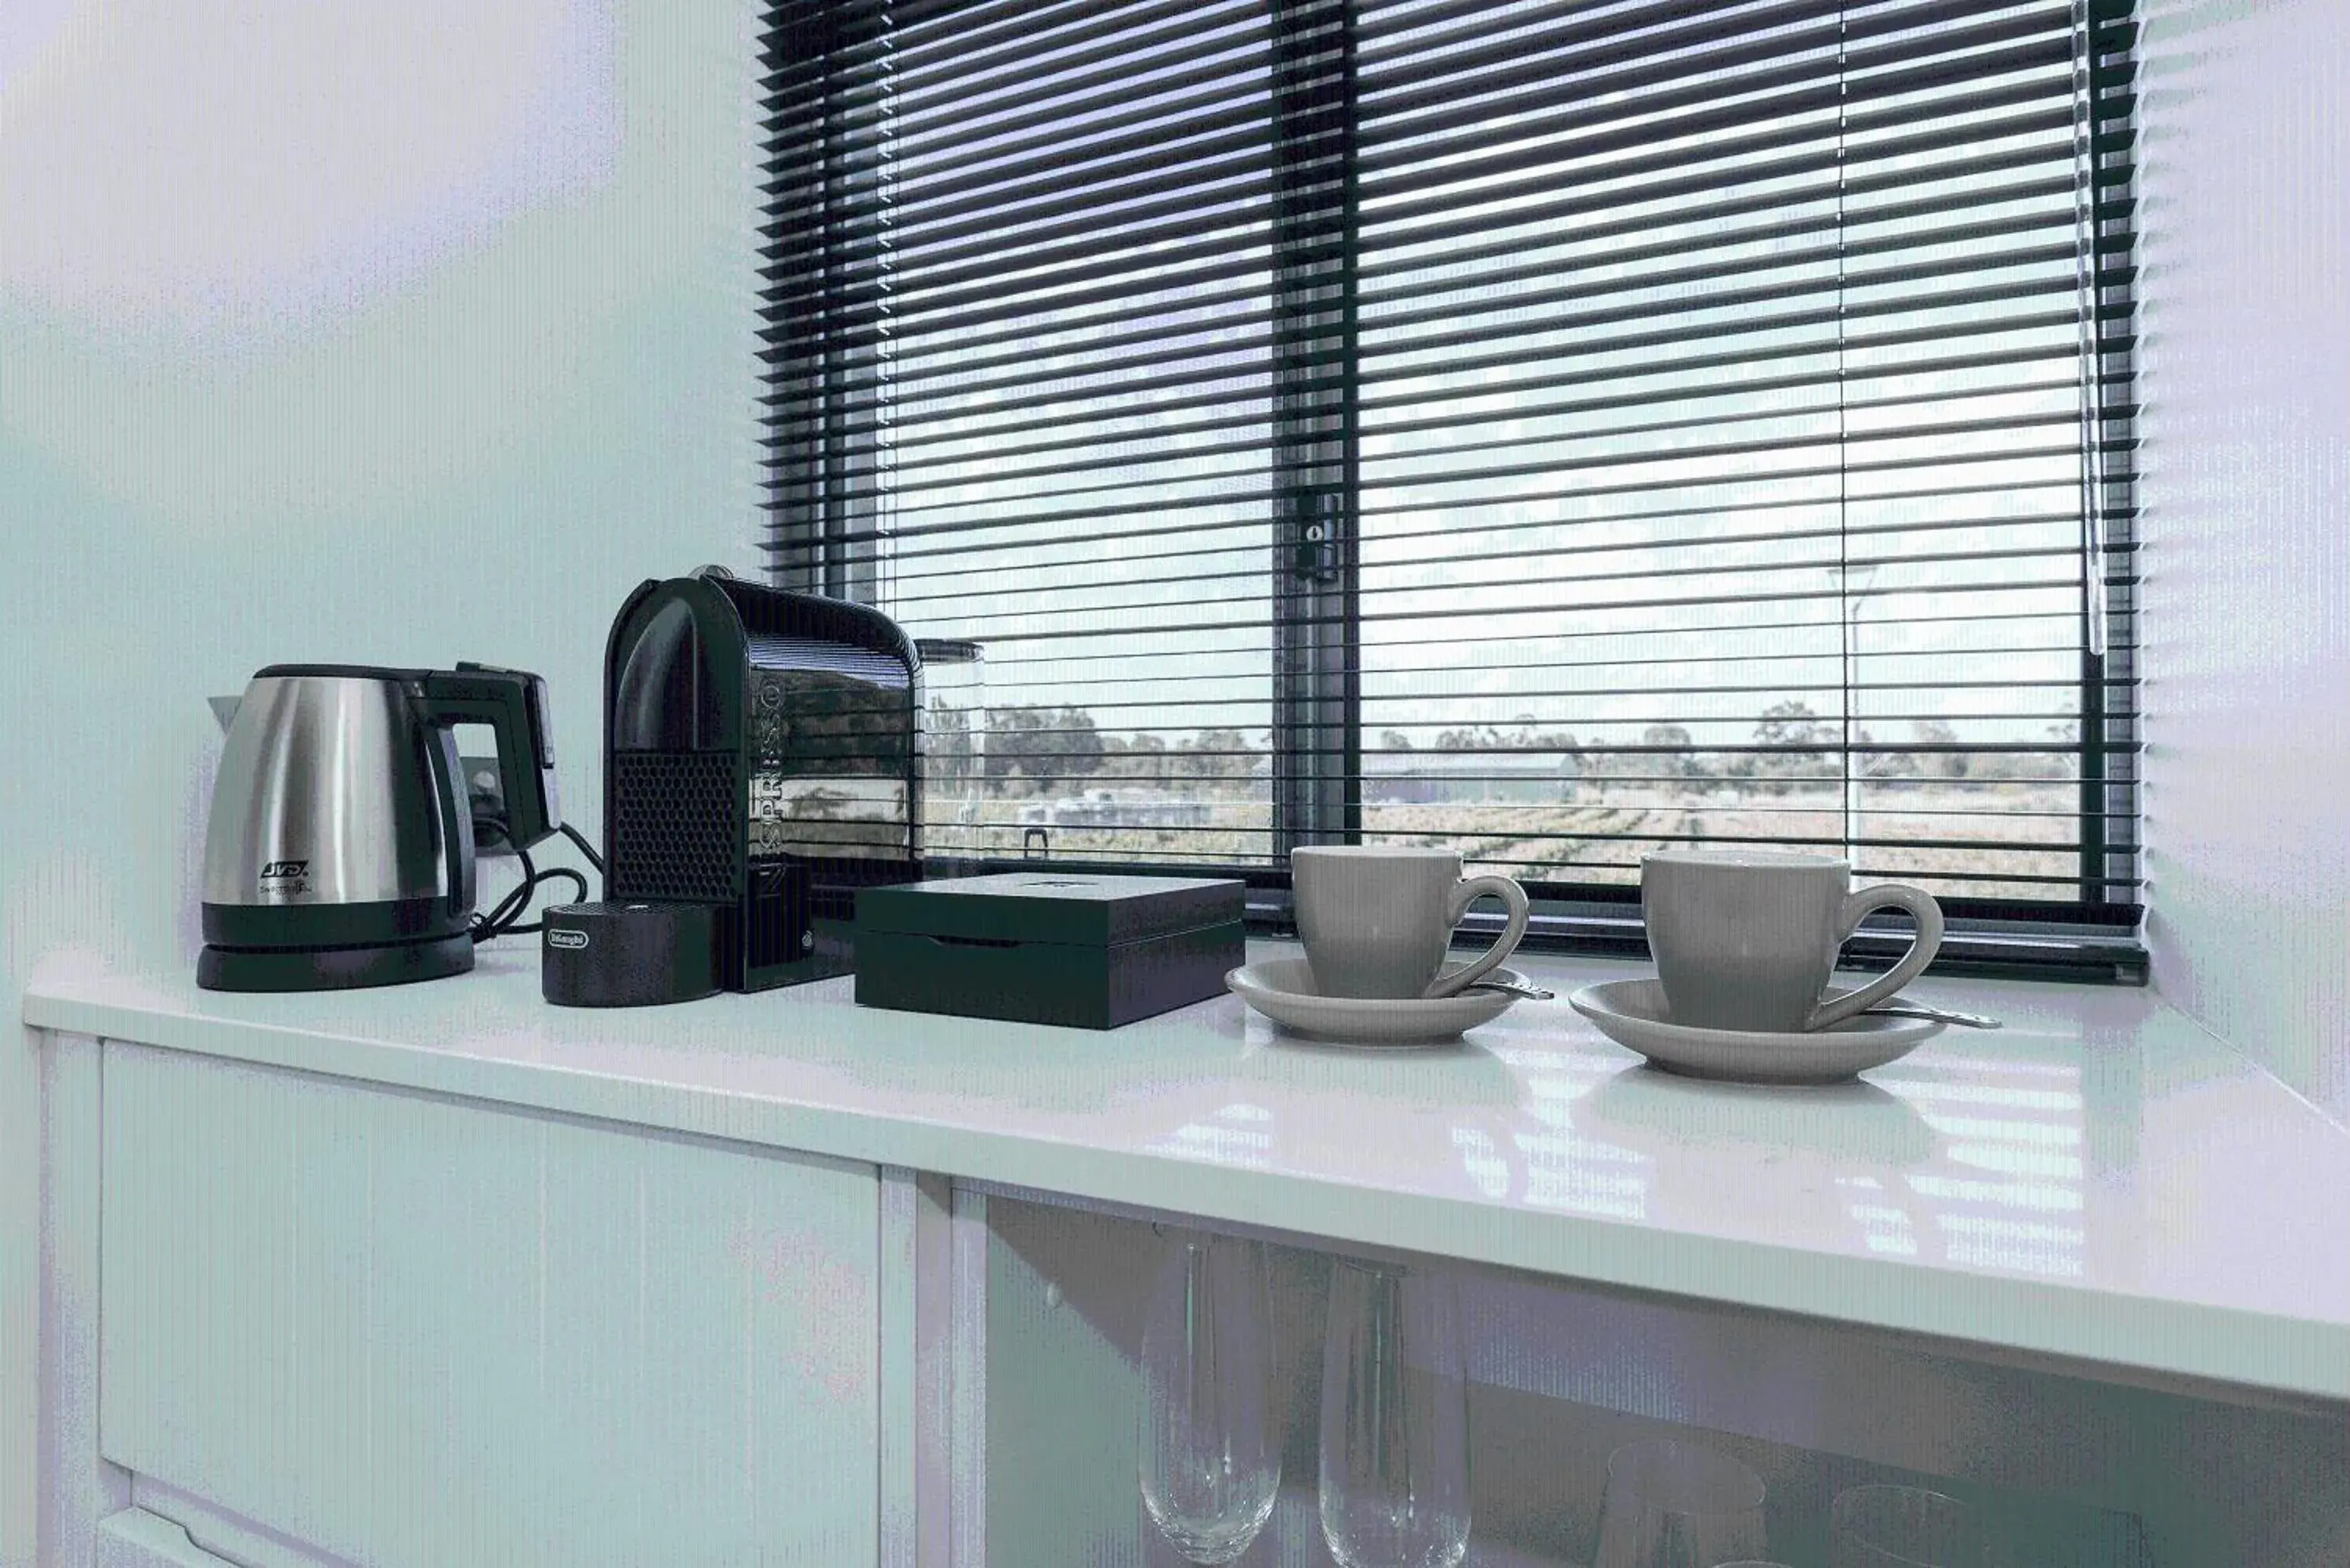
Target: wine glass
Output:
[(1671, 1504), (1395, 1419), (1904, 1527), (1208, 1462)]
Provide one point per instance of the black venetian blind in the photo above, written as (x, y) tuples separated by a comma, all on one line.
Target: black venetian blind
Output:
[(1554, 430)]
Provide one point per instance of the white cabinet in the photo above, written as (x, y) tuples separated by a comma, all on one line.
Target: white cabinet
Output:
[(443, 1276), (416, 1332)]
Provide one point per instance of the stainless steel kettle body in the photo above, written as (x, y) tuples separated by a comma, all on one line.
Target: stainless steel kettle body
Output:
[(341, 847)]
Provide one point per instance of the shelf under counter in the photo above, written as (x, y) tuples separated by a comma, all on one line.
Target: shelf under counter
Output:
[(2101, 1182)]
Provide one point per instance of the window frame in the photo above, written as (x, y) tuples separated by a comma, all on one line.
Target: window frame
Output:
[(831, 53)]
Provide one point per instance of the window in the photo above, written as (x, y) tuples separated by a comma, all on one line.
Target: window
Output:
[(1550, 430)]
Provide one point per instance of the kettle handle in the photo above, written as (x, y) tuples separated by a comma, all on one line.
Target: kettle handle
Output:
[(513, 703), (456, 814)]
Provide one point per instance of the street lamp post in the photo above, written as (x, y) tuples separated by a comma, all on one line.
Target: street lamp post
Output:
[(1852, 596)]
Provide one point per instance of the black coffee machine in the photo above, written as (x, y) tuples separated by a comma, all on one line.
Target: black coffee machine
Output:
[(763, 756)]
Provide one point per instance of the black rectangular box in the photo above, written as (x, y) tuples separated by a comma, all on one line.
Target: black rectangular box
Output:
[(1040, 947)]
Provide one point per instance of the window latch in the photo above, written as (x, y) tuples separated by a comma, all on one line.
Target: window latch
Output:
[(1321, 516)]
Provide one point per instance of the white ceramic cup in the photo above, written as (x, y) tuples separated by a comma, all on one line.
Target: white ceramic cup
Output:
[(1377, 919), (1747, 939)]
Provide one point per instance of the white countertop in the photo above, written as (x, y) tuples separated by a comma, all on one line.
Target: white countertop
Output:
[(2100, 1180)]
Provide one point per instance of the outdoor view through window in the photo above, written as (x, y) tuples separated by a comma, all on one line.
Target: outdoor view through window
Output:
[(1720, 395)]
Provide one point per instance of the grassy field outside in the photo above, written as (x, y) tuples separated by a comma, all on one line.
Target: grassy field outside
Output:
[(1945, 835)]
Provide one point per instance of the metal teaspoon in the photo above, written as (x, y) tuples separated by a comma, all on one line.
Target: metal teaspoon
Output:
[(1884, 1009)]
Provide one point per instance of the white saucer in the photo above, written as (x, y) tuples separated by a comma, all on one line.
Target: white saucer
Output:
[(1632, 1012), (1282, 990)]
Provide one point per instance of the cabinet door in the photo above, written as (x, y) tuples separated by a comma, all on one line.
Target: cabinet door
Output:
[(420, 1332)]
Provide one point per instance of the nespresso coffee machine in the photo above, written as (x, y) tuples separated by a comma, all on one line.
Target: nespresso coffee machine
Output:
[(762, 755)]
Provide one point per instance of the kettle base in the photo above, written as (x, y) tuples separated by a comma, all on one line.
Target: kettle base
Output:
[(332, 968)]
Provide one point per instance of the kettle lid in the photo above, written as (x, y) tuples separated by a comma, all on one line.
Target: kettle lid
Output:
[(336, 672)]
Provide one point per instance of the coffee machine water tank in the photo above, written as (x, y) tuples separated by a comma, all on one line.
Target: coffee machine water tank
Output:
[(955, 837)]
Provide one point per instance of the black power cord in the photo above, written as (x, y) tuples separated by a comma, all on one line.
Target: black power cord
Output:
[(504, 920), (584, 847)]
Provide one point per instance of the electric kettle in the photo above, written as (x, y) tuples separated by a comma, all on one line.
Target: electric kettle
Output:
[(341, 847)]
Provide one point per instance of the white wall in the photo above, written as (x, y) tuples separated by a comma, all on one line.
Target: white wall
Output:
[(399, 333), (2246, 376)]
